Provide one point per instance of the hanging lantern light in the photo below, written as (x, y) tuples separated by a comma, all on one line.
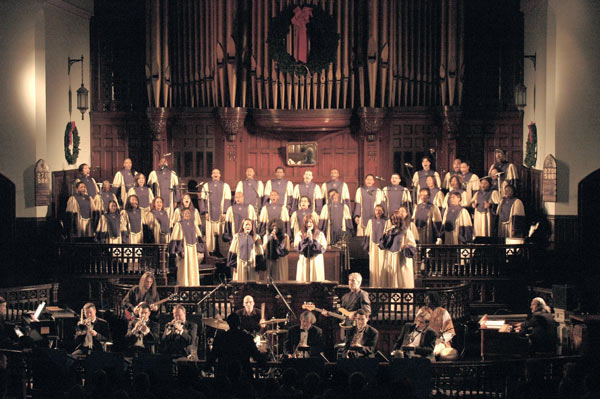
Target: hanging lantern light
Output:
[(82, 92)]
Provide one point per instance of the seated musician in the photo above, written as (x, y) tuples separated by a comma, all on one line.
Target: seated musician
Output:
[(356, 299), (142, 332), (144, 292), (304, 340), (250, 317), (361, 339), (441, 323), (92, 332), (179, 336), (8, 338), (416, 339), (540, 327)]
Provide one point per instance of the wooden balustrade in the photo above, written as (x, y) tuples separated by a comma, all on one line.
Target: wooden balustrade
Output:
[(22, 300)]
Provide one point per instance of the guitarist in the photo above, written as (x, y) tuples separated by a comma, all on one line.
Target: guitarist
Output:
[(145, 292), (355, 299)]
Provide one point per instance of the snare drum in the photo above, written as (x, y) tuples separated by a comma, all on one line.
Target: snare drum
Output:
[(261, 343)]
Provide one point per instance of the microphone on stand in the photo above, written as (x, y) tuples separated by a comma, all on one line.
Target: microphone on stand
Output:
[(168, 154), (408, 164), (379, 178)]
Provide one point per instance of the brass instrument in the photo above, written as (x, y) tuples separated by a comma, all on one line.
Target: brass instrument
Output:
[(140, 330), (174, 327), (84, 328)]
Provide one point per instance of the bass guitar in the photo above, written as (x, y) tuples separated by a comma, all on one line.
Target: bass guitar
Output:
[(344, 315), (133, 315)]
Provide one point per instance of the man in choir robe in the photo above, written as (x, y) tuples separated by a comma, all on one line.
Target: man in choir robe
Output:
[(216, 198), (107, 195), (506, 170), (274, 210), (336, 184), (456, 223), (91, 186), (304, 340), (237, 212), (80, 208), (485, 202), (470, 181), (511, 215), (420, 176), (252, 189), (366, 198), (454, 172), (396, 195), (309, 189), (123, 181), (335, 219), (284, 188), (427, 219), (165, 184)]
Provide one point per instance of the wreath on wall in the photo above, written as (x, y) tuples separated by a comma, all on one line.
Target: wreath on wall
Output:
[(318, 25), (71, 143)]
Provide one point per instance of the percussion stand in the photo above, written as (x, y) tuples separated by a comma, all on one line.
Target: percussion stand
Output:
[(203, 315), (287, 305)]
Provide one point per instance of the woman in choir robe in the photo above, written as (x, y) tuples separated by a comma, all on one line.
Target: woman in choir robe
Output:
[(373, 233), (188, 245), (336, 219), (420, 176), (297, 218), (245, 257), (365, 200), (253, 190), (485, 202), (511, 215), (165, 184), (455, 187), (427, 219), (92, 190), (399, 248), (110, 228), (143, 192), (80, 207), (276, 246), (436, 196), (158, 222), (470, 181), (273, 210), (237, 212), (186, 203), (311, 245), (132, 221), (456, 223), (407, 220), (107, 195)]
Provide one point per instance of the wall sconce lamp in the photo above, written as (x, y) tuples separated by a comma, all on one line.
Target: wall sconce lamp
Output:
[(521, 89), (82, 92)]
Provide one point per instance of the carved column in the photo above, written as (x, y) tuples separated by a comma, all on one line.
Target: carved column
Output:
[(232, 121), (157, 124), (371, 121), (451, 118)]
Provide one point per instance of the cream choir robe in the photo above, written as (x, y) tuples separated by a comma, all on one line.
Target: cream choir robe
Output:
[(145, 197), (187, 244), (160, 225), (463, 198), (457, 226), (92, 190), (471, 185), (311, 265), (110, 228), (332, 227), (310, 190), (165, 184), (83, 207), (270, 212), (441, 323), (123, 181), (420, 177), (428, 223), (395, 197), (511, 218), (399, 248), (284, 188), (373, 233), (436, 197), (233, 219), (340, 187), (216, 198), (483, 219), (253, 191), (447, 177), (276, 256), (106, 197), (365, 201), (177, 216), (245, 257), (298, 217), (508, 176), (132, 223)]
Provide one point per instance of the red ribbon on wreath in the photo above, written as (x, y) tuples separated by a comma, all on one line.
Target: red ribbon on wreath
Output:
[(300, 20), (71, 133)]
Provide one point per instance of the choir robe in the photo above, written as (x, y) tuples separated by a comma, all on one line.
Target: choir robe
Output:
[(483, 219), (270, 212), (463, 198), (457, 226), (276, 256), (160, 226), (179, 211), (165, 184), (428, 222), (145, 197), (298, 217), (471, 184), (132, 226), (284, 188), (373, 233), (310, 190), (216, 198), (436, 197), (187, 244), (246, 257), (123, 181), (311, 265), (81, 208), (511, 218), (233, 219), (253, 191), (447, 177), (421, 175), (106, 197), (365, 201), (335, 220), (340, 187), (509, 175), (399, 249), (395, 197), (110, 229), (92, 190)]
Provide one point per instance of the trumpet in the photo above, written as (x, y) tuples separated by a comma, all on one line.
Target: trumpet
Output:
[(84, 328), (140, 330), (174, 327)]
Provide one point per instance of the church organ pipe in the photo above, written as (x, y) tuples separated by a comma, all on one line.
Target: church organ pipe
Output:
[(385, 52)]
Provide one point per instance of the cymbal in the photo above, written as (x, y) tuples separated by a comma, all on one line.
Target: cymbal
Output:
[(216, 323), (273, 321), (270, 332)]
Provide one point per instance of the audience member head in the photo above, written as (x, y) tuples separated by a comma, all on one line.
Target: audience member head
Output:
[(234, 321)]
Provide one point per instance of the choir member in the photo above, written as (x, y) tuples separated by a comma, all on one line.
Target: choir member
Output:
[(110, 228), (511, 215), (237, 212), (80, 208), (470, 181), (276, 246), (427, 219), (436, 196), (186, 203), (454, 172), (158, 222), (273, 210), (399, 246), (506, 170), (338, 185), (308, 189), (124, 181), (283, 187), (144, 194), (336, 219), (420, 176), (245, 256), (456, 187), (132, 222), (107, 195), (361, 339), (179, 336), (252, 189), (373, 233), (456, 223), (311, 244), (188, 245), (396, 195), (297, 217), (365, 200), (485, 202), (90, 185), (494, 176), (165, 184), (216, 198)]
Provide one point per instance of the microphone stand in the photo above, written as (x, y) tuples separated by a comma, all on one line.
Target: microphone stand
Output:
[(200, 309), (412, 188), (287, 305)]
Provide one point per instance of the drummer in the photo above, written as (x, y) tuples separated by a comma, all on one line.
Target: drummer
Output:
[(251, 319)]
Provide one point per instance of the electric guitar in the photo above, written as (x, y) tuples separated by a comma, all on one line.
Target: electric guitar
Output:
[(133, 315), (345, 315)]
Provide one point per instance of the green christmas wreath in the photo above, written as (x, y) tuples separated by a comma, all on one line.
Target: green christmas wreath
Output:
[(323, 46), (71, 138)]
